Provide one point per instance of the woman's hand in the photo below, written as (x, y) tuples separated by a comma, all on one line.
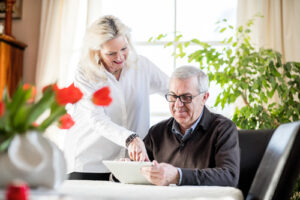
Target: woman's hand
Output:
[(137, 150)]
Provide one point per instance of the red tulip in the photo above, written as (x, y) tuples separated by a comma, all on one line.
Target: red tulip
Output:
[(70, 94), (35, 124), (101, 97), (27, 86), (66, 121), (2, 108), (55, 87)]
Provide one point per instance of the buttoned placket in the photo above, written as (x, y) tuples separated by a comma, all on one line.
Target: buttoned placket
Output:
[(121, 97)]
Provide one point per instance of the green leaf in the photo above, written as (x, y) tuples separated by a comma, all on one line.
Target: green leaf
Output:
[(222, 30), (177, 38), (263, 97), (160, 36), (229, 40), (55, 114), (5, 144), (19, 119), (270, 93), (240, 29), (168, 44), (40, 107), (18, 99), (186, 44)]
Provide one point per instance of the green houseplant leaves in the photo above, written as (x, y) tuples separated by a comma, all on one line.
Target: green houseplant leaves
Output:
[(268, 87)]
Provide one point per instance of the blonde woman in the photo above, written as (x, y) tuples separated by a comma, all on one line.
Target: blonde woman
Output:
[(104, 133)]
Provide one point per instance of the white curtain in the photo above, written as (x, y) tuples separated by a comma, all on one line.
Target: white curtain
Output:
[(279, 29), (63, 24)]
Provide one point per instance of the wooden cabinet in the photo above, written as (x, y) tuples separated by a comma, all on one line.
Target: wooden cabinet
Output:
[(11, 63)]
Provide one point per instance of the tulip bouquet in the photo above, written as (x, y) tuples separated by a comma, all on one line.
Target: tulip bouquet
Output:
[(20, 113)]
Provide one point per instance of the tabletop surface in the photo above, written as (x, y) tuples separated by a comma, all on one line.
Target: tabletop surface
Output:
[(90, 190)]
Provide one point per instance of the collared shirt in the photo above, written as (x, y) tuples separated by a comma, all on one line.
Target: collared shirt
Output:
[(100, 132), (187, 134), (177, 132)]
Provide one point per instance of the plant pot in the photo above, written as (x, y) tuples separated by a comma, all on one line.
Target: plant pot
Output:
[(33, 159)]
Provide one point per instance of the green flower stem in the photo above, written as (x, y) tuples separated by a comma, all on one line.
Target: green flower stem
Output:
[(19, 99), (55, 114), (5, 144), (41, 106)]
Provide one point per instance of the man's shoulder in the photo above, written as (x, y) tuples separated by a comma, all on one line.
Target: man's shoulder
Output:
[(221, 119), (218, 120)]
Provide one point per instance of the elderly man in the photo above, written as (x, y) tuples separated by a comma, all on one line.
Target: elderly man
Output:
[(195, 146)]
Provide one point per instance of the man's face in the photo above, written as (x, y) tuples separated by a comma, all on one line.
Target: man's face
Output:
[(186, 113)]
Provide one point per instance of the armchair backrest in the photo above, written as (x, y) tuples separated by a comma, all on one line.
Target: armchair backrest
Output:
[(253, 144), (280, 166)]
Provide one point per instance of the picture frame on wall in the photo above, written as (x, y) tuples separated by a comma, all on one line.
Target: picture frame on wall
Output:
[(17, 9)]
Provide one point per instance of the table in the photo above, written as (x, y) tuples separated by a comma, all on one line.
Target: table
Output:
[(97, 190)]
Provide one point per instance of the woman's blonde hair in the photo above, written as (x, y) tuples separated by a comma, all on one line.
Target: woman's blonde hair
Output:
[(105, 28)]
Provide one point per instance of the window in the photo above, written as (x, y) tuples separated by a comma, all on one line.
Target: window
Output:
[(191, 18)]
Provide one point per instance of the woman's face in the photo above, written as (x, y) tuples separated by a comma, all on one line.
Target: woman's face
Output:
[(113, 54)]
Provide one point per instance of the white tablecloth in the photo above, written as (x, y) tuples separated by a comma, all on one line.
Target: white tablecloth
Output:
[(97, 190)]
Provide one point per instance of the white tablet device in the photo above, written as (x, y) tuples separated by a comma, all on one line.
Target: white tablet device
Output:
[(127, 171)]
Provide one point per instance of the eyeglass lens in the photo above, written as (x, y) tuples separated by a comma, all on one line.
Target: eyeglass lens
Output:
[(182, 98)]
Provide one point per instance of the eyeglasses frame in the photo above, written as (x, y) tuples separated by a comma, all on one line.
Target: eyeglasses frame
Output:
[(179, 96)]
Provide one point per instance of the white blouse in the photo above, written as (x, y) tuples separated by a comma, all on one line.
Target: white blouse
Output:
[(99, 132)]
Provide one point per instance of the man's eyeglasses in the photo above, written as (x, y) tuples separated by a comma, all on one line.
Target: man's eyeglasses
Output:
[(183, 98)]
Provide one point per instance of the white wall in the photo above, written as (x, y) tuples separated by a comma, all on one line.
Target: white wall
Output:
[(26, 30)]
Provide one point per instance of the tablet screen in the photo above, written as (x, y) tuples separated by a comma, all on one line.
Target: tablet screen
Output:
[(127, 171)]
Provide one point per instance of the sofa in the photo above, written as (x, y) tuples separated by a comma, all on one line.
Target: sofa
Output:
[(253, 144), (270, 162)]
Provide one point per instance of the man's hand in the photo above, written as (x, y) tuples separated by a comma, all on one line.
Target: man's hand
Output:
[(137, 150), (161, 173)]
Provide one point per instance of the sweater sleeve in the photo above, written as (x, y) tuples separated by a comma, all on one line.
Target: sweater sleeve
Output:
[(227, 159)]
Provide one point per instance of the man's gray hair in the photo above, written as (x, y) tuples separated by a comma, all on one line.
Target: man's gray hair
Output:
[(186, 72)]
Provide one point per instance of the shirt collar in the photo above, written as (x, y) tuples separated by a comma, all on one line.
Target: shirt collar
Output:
[(176, 129)]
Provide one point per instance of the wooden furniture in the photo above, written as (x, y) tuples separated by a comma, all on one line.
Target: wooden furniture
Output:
[(8, 16), (11, 63), (11, 55)]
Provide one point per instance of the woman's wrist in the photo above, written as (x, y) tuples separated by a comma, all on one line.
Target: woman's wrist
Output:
[(130, 139)]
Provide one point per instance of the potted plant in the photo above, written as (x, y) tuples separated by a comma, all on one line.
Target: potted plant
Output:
[(24, 153)]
